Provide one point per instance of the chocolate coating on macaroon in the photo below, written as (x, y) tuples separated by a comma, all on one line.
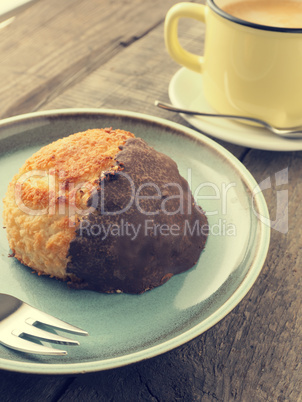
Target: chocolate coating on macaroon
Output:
[(145, 228)]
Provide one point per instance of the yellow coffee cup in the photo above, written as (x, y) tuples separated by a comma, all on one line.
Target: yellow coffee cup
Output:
[(248, 69)]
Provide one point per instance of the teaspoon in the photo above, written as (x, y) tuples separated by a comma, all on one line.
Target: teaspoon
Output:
[(293, 133)]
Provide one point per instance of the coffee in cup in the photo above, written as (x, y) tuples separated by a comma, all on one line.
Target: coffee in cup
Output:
[(249, 67), (286, 14)]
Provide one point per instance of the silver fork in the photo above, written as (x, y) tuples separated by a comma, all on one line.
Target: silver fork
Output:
[(18, 320), (293, 133)]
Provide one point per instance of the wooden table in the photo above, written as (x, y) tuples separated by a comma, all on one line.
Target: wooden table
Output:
[(111, 54)]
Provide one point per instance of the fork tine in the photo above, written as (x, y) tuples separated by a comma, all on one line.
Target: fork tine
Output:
[(17, 323), (47, 319), (22, 345), (44, 335)]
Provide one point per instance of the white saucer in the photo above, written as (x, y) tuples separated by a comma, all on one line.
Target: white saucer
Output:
[(185, 91)]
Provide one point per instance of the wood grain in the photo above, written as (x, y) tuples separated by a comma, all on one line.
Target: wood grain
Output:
[(74, 54), (135, 77), (54, 44)]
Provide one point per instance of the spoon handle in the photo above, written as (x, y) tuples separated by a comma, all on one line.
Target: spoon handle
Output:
[(291, 133), (171, 108)]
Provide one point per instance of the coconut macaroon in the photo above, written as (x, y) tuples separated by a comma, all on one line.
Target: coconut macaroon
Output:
[(105, 211)]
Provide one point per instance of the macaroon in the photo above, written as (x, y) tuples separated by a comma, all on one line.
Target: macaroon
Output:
[(104, 211)]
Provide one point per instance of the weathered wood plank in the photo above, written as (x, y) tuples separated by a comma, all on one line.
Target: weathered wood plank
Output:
[(254, 354), (31, 388), (135, 77), (54, 44), (275, 327)]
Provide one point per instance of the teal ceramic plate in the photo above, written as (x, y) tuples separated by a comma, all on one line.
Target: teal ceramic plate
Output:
[(128, 328)]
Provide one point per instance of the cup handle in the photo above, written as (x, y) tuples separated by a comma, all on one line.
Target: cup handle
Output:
[(176, 51)]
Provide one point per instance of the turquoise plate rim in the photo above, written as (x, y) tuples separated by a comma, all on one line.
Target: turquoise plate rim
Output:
[(246, 284)]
